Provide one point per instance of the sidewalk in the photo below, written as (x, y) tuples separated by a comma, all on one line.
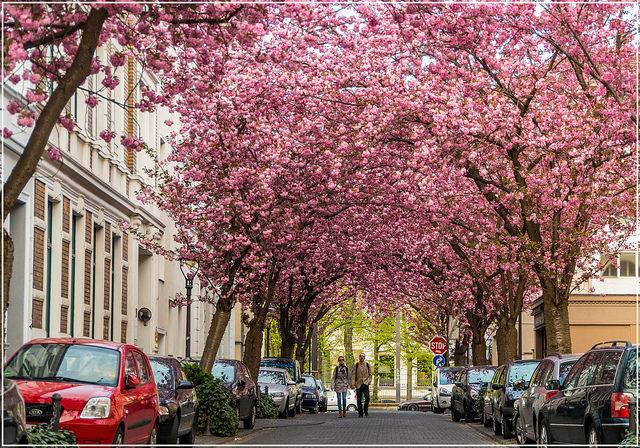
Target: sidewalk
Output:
[(260, 425)]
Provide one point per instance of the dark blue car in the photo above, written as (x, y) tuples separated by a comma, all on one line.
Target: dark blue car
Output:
[(310, 394)]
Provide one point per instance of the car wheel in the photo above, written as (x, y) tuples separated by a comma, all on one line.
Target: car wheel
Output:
[(455, 417), (412, 407), (497, 429), (190, 437), (544, 438), (285, 413), (507, 431), (153, 437), (521, 437), (250, 421), (351, 407), (592, 437), (118, 439)]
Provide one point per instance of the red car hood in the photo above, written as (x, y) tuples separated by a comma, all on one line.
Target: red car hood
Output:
[(74, 395)]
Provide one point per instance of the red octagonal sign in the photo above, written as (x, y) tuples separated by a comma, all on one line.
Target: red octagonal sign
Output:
[(438, 345)]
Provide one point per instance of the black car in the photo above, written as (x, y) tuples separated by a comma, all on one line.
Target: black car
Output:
[(310, 394), (177, 401), (236, 377), (507, 385), (465, 391), (14, 429), (554, 367), (592, 406), (293, 367)]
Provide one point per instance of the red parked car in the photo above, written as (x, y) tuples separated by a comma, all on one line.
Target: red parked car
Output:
[(108, 392)]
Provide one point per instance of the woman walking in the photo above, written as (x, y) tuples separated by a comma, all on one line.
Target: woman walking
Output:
[(340, 385)]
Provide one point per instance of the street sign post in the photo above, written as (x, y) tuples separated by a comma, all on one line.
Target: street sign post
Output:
[(438, 345), (438, 361)]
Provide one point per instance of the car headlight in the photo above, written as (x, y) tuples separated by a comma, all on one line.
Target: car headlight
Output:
[(97, 407)]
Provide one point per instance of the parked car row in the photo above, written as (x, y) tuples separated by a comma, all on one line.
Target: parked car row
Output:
[(568, 399)]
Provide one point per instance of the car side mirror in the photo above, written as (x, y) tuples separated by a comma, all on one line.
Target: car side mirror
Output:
[(185, 384), (519, 385), (496, 386), (435, 384), (319, 388), (553, 385), (131, 381), (484, 385)]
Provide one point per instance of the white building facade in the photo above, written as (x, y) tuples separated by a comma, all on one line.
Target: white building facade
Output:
[(76, 272)]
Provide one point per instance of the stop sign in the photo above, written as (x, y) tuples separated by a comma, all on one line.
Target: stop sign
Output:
[(438, 345)]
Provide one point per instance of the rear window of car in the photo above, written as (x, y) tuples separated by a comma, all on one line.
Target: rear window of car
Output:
[(630, 378), (521, 371), (280, 364), (162, 373), (479, 376), (447, 376), (223, 371)]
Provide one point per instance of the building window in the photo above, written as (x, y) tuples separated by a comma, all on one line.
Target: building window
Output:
[(627, 264), (86, 324), (64, 319), (609, 269), (386, 371)]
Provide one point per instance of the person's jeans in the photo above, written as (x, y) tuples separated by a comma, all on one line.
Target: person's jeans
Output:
[(342, 401), (362, 394)]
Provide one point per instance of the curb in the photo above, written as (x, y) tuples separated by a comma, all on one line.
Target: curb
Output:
[(493, 438)]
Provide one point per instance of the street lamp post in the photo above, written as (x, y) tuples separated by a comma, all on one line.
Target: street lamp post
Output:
[(189, 271)]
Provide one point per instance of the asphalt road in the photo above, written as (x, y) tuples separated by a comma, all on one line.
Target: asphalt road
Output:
[(382, 427)]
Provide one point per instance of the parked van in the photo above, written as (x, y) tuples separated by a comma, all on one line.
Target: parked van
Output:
[(443, 382)]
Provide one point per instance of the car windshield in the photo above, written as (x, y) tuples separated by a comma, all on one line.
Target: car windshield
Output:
[(162, 373), (630, 380), (447, 376), (270, 377), (309, 381), (521, 371), (223, 371), (565, 367), (280, 364), (479, 376), (65, 362)]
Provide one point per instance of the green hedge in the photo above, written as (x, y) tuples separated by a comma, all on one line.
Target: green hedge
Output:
[(43, 435), (478, 403), (630, 439), (267, 408), (216, 405)]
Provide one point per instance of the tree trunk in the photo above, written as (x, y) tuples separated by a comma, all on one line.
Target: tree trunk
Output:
[(348, 345), (376, 377), (478, 342), (287, 346), (409, 378), (556, 319), (460, 351), (218, 326), (506, 341), (7, 269), (302, 347), (66, 87), (253, 347)]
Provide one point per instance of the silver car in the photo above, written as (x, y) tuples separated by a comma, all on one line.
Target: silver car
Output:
[(281, 388)]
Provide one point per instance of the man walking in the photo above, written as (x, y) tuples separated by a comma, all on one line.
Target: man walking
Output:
[(361, 381)]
